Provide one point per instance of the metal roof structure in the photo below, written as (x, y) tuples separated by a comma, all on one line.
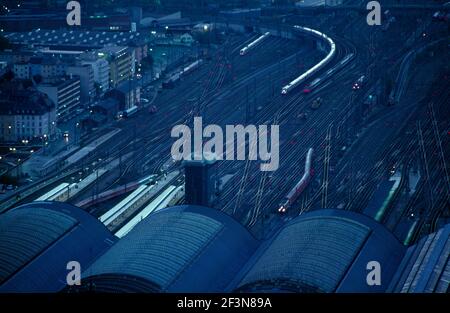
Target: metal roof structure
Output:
[(77, 38), (324, 251), (37, 240), (198, 249), (184, 248), (425, 266), (14, 101)]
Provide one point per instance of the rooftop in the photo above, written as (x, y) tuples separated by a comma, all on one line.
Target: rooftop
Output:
[(23, 102), (324, 251), (40, 238), (426, 265), (200, 251), (76, 38)]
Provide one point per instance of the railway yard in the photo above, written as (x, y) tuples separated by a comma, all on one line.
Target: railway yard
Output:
[(367, 144)]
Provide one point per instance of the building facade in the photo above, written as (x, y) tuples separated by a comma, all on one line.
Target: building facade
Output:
[(87, 83), (26, 114), (121, 63), (100, 69), (128, 94), (65, 94), (39, 66)]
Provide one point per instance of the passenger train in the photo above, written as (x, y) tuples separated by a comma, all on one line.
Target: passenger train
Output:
[(254, 43), (296, 82), (295, 192)]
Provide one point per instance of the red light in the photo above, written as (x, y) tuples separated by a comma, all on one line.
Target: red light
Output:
[(306, 90)]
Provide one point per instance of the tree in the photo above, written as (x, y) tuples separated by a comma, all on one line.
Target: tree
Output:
[(7, 77), (147, 62), (37, 78), (4, 43), (98, 88)]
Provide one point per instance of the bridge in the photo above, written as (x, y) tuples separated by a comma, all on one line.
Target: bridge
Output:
[(360, 8)]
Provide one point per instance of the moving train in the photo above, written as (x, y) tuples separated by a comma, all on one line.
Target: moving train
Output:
[(170, 82), (296, 82), (316, 82), (127, 113), (295, 192), (359, 83), (254, 43), (191, 67)]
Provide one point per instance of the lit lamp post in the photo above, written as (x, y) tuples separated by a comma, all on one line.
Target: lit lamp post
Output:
[(44, 143), (77, 125), (18, 170)]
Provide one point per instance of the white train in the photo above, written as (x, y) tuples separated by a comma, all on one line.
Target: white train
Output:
[(316, 82), (52, 194), (254, 43), (159, 203), (341, 64), (359, 83), (127, 113), (293, 84), (192, 67), (108, 217), (295, 192)]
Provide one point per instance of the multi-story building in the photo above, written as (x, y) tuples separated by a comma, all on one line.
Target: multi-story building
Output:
[(121, 63), (21, 70), (16, 56), (3, 67), (45, 67), (128, 94), (140, 49), (65, 93), (51, 69), (25, 114), (333, 2), (87, 84), (100, 67)]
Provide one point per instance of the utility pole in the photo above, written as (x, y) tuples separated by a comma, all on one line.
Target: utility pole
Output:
[(326, 167), (441, 151), (424, 154), (134, 136), (120, 163), (247, 109)]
